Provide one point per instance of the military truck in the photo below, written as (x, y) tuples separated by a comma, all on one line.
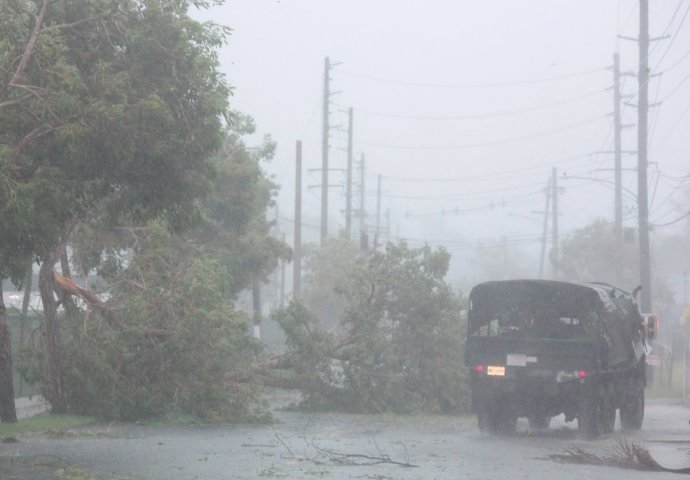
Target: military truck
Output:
[(538, 348)]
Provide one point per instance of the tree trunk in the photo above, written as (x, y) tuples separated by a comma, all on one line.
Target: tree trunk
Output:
[(65, 296), (8, 413), (53, 367)]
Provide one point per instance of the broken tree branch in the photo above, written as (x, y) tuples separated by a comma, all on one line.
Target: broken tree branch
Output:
[(28, 51), (329, 456), (67, 285), (624, 455)]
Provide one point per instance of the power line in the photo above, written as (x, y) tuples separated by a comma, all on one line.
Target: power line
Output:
[(678, 62), (477, 116), (491, 176), (470, 85), (686, 214), (483, 144), (668, 47), (676, 88), (675, 125)]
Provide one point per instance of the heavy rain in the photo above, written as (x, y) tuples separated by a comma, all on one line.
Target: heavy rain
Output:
[(323, 239)]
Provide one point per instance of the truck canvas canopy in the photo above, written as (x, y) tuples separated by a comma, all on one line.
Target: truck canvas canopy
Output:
[(552, 310)]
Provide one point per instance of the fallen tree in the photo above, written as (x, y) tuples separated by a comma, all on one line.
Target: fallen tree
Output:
[(177, 347), (397, 346)]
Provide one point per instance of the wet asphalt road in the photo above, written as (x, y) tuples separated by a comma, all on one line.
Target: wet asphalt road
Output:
[(330, 446)]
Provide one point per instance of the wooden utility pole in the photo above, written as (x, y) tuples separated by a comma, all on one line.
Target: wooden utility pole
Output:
[(324, 149), (388, 225), (555, 260), (378, 214), (642, 163), (297, 248), (546, 229), (348, 189), (282, 280), (362, 197), (363, 238), (256, 307), (618, 168)]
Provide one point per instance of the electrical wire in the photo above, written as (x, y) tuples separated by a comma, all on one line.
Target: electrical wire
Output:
[(470, 85), (476, 116), (675, 125), (483, 144), (676, 88), (491, 176), (678, 62), (673, 222), (668, 27)]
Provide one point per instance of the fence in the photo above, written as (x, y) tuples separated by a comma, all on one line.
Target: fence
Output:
[(21, 329)]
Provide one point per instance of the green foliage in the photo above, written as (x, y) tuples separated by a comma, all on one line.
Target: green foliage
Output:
[(184, 350), (501, 263), (234, 211), (402, 343), (114, 118), (592, 254), (324, 270), (43, 424), (309, 354), (118, 105)]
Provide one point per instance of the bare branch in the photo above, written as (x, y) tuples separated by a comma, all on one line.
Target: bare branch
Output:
[(327, 455), (624, 455), (9, 103), (32, 135), (28, 51), (67, 285), (64, 26)]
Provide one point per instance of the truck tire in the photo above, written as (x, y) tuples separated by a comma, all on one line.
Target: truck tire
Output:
[(486, 420), (608, 411), (632, 409), (539, 422), (506, 423), (491, 418), (589, 414)]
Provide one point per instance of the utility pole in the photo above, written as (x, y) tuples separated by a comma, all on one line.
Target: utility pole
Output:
[(362, 196), (388, 225), (275, 282), (348, 189), (618, 180), (642, 163), (554, 219), (685, 291), (256, 307), (546, 229), (378, 214), (362, 201), (282, 280), (297, 249), (324, 149)]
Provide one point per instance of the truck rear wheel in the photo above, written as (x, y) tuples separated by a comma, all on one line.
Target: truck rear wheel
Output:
[(492, 418), (539, 422), (608, 411), (590, 413), (632, 410), (588, 422), (486, 420)]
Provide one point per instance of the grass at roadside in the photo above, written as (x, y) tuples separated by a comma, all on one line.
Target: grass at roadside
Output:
[(42, 424)]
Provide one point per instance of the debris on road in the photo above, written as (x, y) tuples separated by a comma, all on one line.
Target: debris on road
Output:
[(623, 455)]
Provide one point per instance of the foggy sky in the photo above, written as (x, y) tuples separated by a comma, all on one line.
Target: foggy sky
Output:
[(500, 93)]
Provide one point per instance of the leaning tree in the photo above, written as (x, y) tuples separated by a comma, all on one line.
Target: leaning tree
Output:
[(114, 105)]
